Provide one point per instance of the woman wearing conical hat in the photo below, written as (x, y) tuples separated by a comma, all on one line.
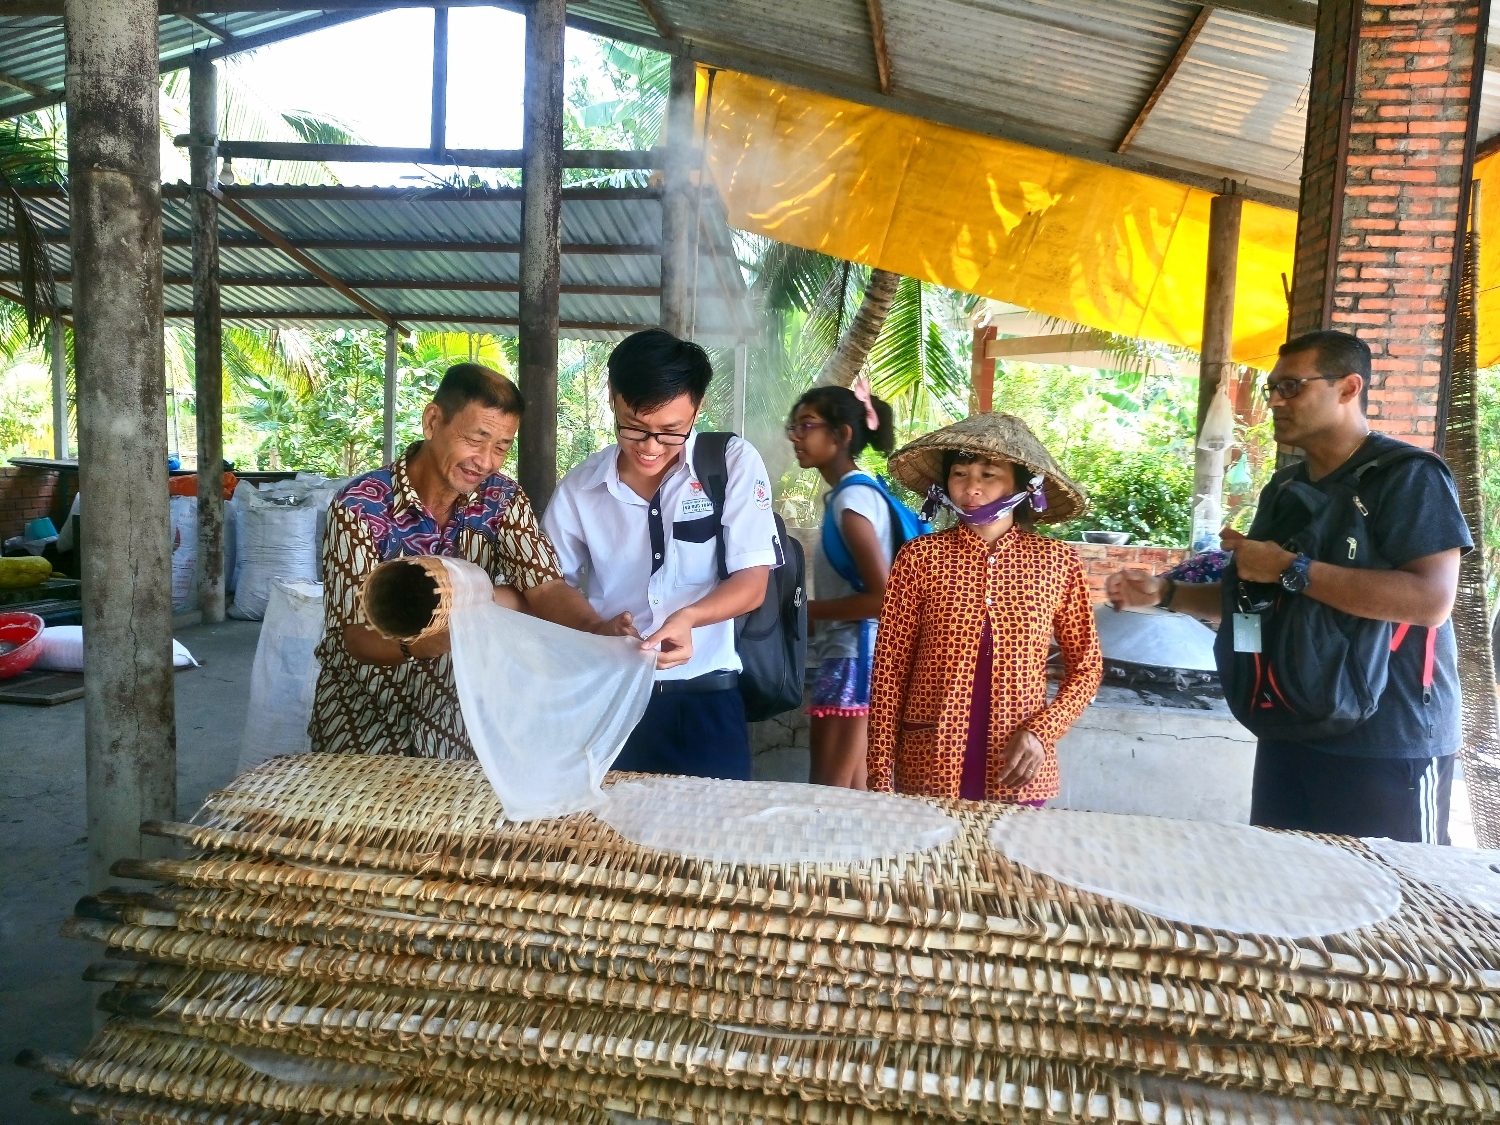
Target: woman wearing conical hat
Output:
[(958, 701)]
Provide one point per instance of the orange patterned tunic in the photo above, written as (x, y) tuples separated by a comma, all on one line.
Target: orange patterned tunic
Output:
[(940, 590)]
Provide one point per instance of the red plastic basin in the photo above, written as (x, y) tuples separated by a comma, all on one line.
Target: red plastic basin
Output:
[(24, 630)]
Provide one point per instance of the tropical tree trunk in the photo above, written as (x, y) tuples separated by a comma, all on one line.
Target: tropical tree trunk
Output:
[(843, 366)]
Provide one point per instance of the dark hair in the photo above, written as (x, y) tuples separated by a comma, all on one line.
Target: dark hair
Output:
[(649, 369), (1022, 513), (464, 383), (839, 407), (1338, 353)]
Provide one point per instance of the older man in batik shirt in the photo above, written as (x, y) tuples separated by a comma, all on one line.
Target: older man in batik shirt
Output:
[(443, 496)]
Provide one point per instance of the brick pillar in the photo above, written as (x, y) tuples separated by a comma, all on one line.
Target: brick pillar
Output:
[(1392, 118)]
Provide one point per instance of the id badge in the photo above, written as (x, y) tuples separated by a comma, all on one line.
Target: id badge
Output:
[(1247, 632)]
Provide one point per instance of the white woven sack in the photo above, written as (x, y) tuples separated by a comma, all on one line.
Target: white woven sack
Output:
[(284, 676)]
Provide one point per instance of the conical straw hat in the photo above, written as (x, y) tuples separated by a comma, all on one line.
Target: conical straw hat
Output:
[(1003, 437)]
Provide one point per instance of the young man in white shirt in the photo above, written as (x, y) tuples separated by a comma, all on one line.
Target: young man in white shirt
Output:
[(636, 532)]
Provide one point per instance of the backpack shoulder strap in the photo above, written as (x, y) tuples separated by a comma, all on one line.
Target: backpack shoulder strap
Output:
[(711, 467)]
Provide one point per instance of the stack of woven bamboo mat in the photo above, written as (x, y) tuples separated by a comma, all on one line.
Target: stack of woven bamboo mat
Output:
[(360, 939)]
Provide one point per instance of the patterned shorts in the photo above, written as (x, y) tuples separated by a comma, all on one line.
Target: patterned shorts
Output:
[(839, 691)]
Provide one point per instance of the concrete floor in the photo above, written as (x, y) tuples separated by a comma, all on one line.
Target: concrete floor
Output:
[(44, 1001)]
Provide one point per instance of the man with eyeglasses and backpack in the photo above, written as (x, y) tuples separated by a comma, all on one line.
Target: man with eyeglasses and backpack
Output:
[(671, 533), (1335, 646)]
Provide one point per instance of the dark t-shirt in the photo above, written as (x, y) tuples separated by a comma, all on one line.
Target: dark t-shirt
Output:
[(1414, 512)]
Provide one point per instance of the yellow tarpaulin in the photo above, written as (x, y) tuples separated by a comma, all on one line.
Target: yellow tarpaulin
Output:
[(1095, 245), (1487, 172)]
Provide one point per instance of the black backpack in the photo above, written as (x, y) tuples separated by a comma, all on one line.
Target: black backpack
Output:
[(771, 639), (1320, 672)]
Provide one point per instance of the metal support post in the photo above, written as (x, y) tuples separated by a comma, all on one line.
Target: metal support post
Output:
[(676, 200), (1218, 347), (541, 208), (439, 81), (114, 158), (388, 448), (208, 329), (59, 388), (741, 382)]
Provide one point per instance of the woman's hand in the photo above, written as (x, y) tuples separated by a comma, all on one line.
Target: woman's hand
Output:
[(1023, 757)]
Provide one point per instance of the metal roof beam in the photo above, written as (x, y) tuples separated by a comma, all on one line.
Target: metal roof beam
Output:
[(877, 42), (1167, 74), (24, 86), (285, 316), (203, 25), (275, 281), (397, 246), (1298, 13), (612, 159), (266, 231), (658, 19), (223, 50)]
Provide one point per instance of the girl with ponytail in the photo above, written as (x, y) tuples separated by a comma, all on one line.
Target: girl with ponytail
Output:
[(829, 427)]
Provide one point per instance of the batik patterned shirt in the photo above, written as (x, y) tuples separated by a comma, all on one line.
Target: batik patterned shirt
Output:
[(410, 708), (942, 587)]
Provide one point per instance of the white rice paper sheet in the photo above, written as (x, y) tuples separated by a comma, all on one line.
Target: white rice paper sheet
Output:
[(1471, 875), (1228, 877), (771, 822), (547, 708)]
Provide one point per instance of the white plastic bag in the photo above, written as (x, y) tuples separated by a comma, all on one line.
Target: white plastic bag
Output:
[(1218, 423), (277, 539), (62, 650), (184, 512), (547, 709), (285, 674)]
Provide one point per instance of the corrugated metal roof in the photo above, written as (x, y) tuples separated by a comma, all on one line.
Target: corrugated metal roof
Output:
[(366, 235), (1238, 101), (1064, 74), (32, 49)]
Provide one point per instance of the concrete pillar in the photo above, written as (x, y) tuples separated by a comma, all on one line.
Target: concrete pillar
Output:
[(439, 81), (741, 387), (114, 165), (208, 331), (677, 199), (1392, 117), (541, 268), (59, 388), (388, 446), (1216, 354)]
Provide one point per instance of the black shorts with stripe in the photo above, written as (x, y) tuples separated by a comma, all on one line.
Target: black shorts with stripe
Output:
[(1301, 788)]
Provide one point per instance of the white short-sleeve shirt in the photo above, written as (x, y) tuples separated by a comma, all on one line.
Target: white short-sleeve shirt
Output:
[(651, 558)]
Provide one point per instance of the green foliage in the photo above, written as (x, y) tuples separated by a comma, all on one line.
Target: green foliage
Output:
[(1489, 469), (1125, 437), (333, 422), (1136, 490)]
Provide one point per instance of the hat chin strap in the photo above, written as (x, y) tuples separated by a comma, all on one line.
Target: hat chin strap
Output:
[(989, 513)]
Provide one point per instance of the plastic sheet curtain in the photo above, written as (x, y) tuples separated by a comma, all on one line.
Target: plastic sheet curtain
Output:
[(1091, 244)]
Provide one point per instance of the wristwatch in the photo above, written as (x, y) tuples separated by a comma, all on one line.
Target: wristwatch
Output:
[(1294, 578)]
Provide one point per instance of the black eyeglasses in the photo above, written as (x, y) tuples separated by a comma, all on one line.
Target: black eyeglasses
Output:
[(805, 427), (1289, 389), (630, 433)]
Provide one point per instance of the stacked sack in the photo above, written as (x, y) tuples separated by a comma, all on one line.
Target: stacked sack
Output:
[(367, 939)]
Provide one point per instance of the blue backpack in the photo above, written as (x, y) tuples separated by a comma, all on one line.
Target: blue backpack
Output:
[(905, 525)]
